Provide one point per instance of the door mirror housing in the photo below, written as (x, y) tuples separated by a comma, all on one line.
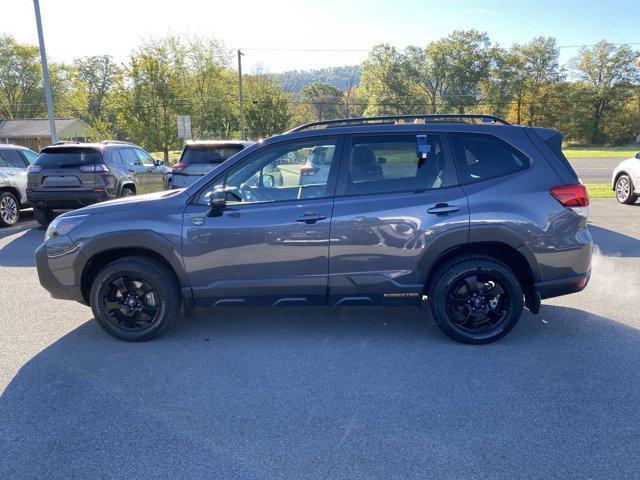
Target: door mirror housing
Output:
[(382, 160), (157, 162), (217, 203)]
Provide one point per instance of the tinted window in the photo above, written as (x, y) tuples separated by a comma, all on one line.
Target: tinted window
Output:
[(115, 157), (202, 155), (30, 156), (481, 157), (12, 158), (390, 163), (276, 173), (144, 157), (68, 157), (129, 157)]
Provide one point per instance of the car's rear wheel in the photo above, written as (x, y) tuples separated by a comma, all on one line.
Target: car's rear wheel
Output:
[(624, 190), (135, 298), (43, 216), (476, 299), (127, 192), (9, 209)]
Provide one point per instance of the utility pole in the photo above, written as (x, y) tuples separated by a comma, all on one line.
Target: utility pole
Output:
[(243, 131), (45, 74)]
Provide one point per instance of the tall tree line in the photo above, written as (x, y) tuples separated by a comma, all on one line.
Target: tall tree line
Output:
[(594, 99)]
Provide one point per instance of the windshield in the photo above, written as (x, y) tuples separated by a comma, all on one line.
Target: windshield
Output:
[(68, 157), (200, 155)]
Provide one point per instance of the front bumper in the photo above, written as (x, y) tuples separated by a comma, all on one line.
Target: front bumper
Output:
[(67, 199), (56, 274)]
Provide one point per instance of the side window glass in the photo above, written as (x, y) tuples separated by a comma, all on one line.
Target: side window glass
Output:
[(145, 158), (279, 173), (482, 157), (2, 162), (13, 159), (129, 157), (30, 156), (116, 159), (391, 163)]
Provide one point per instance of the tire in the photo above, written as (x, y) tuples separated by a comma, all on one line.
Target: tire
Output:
[(127, 192), (459, 313), (146, 319), (624, 190), (9, 209), (43, 216)]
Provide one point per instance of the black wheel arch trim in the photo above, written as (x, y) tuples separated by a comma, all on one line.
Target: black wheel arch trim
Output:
[(136, 240)]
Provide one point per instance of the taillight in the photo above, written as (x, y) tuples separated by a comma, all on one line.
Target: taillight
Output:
[(94, 168), (179, 166), (574, 197), (308, 171), (33, 168)]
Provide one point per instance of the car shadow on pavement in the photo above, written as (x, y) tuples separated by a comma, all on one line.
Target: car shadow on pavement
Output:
[(20, 251), (329, 393), (614, 244)]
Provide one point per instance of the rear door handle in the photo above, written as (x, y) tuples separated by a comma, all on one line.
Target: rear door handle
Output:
[(443, 209), (311, 217)]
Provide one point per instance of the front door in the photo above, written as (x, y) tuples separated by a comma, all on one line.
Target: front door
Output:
[(397, 196), (270, 244)]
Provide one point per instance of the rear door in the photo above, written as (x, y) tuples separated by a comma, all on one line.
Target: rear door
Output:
[(390, 207), (134, 167), (14, 166)]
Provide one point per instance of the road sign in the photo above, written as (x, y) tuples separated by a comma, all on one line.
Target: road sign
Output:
[(184, 126)]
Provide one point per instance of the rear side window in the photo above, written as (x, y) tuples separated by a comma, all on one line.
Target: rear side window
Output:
[(389, 163), (12, 158), (129, 157), (204, 155), (68, 157), (482, 157)]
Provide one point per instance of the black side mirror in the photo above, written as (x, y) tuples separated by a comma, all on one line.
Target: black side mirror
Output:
[(157, 162), (638, 155), (382, 160), (217, 203)]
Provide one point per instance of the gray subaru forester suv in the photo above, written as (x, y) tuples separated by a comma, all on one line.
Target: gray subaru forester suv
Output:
[(479, 217)]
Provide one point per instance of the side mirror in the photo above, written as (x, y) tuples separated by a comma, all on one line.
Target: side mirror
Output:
[(217, 203), (382, 160), (638, 155), (157, 162), (268, 180)]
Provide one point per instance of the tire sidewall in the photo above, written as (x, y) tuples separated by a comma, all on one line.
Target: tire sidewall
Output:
[(629, 197), (4, 223), (101, 283), (451, 276)]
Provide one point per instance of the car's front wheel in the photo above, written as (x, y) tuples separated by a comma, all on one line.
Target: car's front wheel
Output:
[(476, 299), (135, 298), (9, 209), (624, 190)]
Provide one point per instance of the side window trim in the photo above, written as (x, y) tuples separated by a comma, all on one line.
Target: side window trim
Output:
[(331, 179), (342, 189)]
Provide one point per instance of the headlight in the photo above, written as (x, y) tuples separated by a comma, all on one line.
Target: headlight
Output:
[(63, 225)]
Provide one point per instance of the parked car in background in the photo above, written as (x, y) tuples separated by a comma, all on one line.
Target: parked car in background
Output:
[(200, 157), (73, 175), (481, 217), (625, 180), (14, 160), (316, 168)]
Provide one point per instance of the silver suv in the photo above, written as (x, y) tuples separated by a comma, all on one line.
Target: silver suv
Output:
[(479, 217), (14, 160)]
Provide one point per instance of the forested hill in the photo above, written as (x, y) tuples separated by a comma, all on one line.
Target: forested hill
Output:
[(340, 77)]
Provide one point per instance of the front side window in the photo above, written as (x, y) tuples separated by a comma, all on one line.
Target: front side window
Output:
[(391, 163), (277, 173), (482, 157)]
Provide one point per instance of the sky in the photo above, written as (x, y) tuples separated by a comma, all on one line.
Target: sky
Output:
[(75, 28)]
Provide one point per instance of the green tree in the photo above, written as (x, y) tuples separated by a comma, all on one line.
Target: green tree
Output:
[(322, 100), (267, 108), (503, 84), (606, 75)]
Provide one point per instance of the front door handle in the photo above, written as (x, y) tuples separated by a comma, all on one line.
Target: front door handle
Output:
[(443, 209), (311, 217)]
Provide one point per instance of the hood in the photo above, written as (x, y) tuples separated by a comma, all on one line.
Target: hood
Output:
[(126, 203)]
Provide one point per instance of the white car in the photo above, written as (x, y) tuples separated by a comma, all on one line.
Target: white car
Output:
[(625, 180)]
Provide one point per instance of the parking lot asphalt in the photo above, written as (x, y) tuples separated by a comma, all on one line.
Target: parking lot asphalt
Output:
[(595, 170), (324, 392)]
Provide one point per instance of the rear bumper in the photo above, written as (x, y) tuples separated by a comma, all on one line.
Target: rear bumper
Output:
[(50, 281), (562, 286), (66, 199)]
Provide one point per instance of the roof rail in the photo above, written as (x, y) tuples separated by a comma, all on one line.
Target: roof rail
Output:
[(65, 142), (115, 142), (402, 119)]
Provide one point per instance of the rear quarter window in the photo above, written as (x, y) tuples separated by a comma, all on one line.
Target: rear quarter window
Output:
[(482, 157), (68, 157)]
